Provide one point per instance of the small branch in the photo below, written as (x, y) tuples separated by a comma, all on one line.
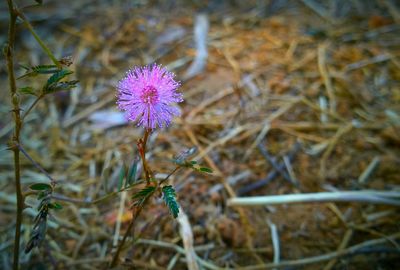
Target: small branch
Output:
[(40, 168), (377, 197), (96, 201), (38, 39), (31, 107), (169, 175)]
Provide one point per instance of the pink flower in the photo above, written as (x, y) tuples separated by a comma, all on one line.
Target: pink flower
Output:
[(147, 95)]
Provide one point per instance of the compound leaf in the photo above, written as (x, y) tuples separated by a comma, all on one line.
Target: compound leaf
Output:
[(140, 197), (169, 195)]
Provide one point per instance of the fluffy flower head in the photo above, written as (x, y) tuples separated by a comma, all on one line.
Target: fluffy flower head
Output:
[(148, 95)]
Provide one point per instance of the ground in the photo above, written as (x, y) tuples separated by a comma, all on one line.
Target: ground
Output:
[(311, 89)]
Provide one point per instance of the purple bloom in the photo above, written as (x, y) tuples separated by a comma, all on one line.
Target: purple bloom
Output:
[(148, 95)]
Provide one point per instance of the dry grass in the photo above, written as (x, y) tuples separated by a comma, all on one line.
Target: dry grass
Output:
[(291, 101)]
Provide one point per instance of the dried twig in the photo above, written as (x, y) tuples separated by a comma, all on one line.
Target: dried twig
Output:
[(367, 196), (187, 238)]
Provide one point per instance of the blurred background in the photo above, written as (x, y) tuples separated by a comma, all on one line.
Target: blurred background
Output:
[(281, 97)]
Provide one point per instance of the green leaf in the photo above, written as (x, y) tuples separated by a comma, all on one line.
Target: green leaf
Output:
[(55, 206), (43, 194), (58, 76), (54, 85), (193, 162), (59, 86), (45, 69), (170, 200), (40, 69), (121, 177), (38, 232), (132, 173), (28, 90), (40, 186), (205, 169), (140, 197)]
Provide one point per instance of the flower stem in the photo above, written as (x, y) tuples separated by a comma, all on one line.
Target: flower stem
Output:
[(142, 150), (9, 51)]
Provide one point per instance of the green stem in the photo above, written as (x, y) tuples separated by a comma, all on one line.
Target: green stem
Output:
[(38, 39), (15, 138)]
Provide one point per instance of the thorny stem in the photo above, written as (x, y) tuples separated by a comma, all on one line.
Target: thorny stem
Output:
[(41, 43), (9, 51), (130, 227)]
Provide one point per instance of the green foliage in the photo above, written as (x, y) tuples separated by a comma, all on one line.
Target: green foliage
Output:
[(27, 90), (39, 228), (140, 197), (55, 206), (127, 178), (58, 76), (60, 86), (194, 166), (40, 186), (170, 200), (205, 169), (131, 174), (40, 69), (38, 232), (121, 178), (54, 85), (182, 160)]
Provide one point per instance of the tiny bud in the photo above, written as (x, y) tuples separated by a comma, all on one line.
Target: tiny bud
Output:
[(15, 99)]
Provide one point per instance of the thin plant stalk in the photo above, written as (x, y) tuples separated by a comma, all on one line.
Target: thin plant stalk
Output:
[(142, 149), (32, 106), (128, 230), (9, 51), (28, 25), (367, 196)]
